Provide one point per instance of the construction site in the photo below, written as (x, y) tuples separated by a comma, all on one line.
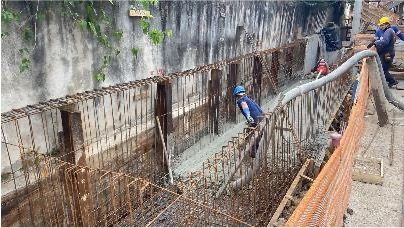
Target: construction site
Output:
[(173, 148)]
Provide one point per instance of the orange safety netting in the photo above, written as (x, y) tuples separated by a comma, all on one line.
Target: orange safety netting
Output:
[(327, 199)]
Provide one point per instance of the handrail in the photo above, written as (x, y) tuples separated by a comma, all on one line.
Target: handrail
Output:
[(346, 66)]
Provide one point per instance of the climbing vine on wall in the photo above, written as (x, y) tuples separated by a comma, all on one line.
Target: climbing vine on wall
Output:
[(91, 17)]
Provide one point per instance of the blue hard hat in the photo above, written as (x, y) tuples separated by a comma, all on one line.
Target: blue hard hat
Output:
[(238, 89)]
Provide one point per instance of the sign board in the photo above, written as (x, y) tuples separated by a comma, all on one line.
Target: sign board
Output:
[(139, 13)]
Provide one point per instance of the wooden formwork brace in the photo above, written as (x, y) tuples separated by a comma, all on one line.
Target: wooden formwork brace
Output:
[(166, 155), (296, 184)]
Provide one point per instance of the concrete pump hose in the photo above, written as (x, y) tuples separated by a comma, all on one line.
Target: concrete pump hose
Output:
[(345, 67), (389, 95), (302, 89)]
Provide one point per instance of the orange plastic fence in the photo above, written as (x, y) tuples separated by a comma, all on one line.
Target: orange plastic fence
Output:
[(327, 199)]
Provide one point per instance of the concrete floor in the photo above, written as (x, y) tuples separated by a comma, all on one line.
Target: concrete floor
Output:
[(381, 205)]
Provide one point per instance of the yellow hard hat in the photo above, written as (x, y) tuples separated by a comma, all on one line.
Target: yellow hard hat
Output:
[(384, 20)]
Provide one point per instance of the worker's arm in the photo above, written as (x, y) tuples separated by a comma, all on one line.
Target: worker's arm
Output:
[(246, 112), (396, 29), (400, 35), (378, 34)]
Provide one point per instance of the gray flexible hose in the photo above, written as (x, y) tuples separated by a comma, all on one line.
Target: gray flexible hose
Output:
[(345, 67)]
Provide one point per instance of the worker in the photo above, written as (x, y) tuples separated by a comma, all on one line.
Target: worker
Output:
[(248, 107), (252, 113), (379, 32), (385, 49)]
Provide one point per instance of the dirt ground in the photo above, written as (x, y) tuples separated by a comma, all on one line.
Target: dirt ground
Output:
[(381, 205)]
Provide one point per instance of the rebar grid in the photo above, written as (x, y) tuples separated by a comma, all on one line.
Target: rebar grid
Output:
[(114, 129), (71, 195), (234, 182)]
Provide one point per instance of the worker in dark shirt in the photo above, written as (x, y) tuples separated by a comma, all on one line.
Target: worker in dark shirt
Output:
[(385, 49), (252, 113), (248, 107)]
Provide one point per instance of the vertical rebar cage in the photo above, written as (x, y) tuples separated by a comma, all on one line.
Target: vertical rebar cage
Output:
[(100, 157)]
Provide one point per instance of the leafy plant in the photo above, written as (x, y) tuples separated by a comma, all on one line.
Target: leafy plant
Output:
[(95, 21), (156, 36), (8, 16), (145, 25), (169, 33), (27, 34), (135, 51), (147, 3), (82, 23), (100, 75), (118, 34), (25, 64), (25, 61)]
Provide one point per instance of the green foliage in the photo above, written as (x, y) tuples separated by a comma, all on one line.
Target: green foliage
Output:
[(96, 22), (41, 17), (145, 25), (169, 33), (147, 3), (118, 35), (105, 18), (135, 51), (107, 60), (104, 40), (27, 34), (9, 16), (23, 51), (156, 36), (82, 23), (100, 76), (91, 28), (25, 64)]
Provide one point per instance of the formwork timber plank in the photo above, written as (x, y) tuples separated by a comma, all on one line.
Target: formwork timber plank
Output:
[(163, 112), (75, 182), (214, 100), (257, 79), (232, 80), (368, 177), (293, 187), (275, 65)]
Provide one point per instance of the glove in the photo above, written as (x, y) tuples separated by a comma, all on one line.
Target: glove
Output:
[(251, 121), (371, 45)]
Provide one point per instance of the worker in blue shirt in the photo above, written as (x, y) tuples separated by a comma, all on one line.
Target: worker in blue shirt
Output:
[(248, 107), (379, 32), (385, 49), (252, 113)]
